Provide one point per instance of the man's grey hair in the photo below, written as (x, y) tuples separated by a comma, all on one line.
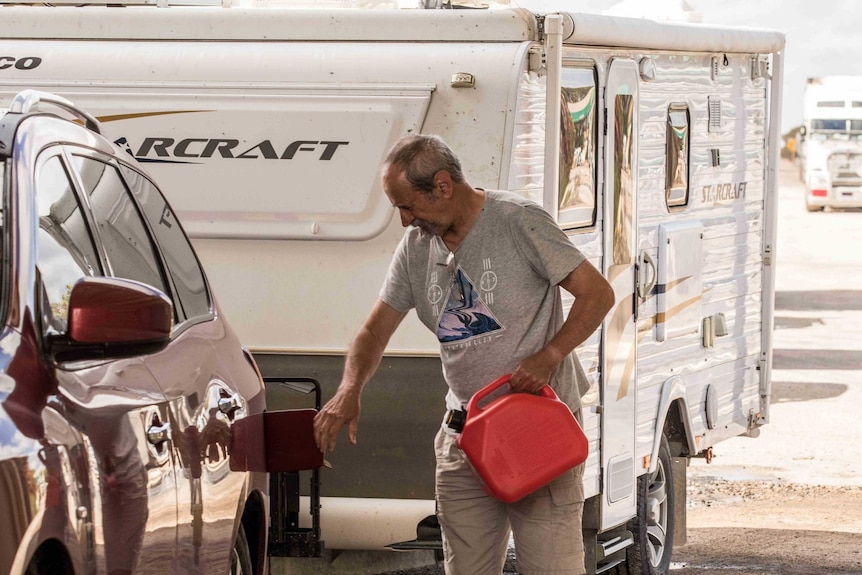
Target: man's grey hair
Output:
[(420, 156)]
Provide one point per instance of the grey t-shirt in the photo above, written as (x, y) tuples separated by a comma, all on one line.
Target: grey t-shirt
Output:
[(496, 302)]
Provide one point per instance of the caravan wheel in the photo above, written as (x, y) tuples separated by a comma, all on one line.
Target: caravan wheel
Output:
[(653, 526)]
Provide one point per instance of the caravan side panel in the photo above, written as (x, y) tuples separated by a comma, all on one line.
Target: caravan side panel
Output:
[(726, 183)]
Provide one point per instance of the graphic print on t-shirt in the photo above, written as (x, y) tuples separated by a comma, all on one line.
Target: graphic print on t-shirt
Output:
[(465, 315)]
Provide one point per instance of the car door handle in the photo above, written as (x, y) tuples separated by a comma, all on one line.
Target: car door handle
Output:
[(229, 404), (158, 433)]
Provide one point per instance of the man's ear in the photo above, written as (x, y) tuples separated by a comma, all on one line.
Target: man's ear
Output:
[(443, 183)]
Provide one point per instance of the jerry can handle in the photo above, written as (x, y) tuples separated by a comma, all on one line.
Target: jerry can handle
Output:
[(473, 406)]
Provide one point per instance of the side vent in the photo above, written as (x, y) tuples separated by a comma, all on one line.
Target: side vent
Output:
[(714, 114)]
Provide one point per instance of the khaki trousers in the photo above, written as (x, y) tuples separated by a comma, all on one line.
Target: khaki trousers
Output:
[(546, 524)]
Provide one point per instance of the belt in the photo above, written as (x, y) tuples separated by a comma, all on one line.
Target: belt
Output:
[(454, 419)]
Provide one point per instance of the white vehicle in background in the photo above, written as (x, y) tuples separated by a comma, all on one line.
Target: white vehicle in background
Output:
[(653, 145), (830, 146)]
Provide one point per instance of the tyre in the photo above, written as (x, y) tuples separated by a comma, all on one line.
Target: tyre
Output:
[(653, 526), (811, 208), (240, 559)]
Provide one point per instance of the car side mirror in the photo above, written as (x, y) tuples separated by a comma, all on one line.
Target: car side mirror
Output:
[(114, 317)]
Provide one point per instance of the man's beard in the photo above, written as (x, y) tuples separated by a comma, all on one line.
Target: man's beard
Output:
[(429, 228)]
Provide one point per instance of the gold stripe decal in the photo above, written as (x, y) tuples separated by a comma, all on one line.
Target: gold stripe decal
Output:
[(616, 270), (661, 317), (118, 117), (615, 330), (626, 378), (670, 285)]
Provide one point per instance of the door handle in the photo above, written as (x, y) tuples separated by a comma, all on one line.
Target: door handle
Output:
[(644, 286), (229, 403)]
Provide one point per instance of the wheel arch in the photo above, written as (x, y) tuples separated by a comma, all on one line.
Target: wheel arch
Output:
[(673, 420)]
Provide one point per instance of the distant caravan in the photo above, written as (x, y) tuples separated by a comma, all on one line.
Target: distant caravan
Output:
[(653, 145)]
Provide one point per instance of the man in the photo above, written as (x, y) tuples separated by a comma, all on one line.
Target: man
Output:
[(481, 269)]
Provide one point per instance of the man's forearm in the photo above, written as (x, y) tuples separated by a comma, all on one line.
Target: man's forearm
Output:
[(585, 316), (363, 359), (594, 297)]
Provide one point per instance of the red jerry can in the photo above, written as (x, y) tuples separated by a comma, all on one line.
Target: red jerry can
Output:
[(518, 442)]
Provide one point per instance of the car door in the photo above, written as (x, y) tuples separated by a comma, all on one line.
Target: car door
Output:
[(204, 400), (116, 405)]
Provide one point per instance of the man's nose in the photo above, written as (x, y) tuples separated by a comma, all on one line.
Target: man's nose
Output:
[(406, 217)]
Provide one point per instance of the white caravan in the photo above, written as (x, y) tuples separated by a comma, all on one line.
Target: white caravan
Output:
[(830, 142), (654, 145)]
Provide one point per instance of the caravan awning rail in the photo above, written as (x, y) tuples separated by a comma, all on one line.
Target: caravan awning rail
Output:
[(141, 23)]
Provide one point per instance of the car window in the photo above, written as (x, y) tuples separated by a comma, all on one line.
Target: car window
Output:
[(122, 233), (179, 257), (65, 251)]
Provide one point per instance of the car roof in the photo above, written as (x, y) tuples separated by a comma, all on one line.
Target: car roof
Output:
[(32, 103)]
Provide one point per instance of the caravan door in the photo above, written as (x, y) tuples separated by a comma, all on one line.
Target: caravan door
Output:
[(619, 335)]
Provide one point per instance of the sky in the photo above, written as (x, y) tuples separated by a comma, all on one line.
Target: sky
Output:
[(822, 35)]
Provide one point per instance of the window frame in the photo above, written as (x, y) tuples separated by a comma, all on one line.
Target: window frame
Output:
[(185, 320), (75, 150), (582, 218), (6, 219), (47, 154)]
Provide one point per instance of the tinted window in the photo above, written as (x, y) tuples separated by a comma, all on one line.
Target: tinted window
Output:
[(122, 232), (183, 267), (676, 173), (623, 181), (65, 251)]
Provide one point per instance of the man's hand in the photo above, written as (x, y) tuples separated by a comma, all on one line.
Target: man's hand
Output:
[(341, 409), (361, 362), (535, 372)]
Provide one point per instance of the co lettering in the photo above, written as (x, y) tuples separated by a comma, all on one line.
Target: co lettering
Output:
[(25, 63)]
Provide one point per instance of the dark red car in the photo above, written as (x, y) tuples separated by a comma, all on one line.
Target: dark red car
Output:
[(120, 381)]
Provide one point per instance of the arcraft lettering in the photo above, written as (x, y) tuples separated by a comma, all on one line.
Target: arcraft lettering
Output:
[(230, 148)]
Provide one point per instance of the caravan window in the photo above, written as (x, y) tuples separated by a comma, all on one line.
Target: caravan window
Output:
[(676, 175), (578, 133)]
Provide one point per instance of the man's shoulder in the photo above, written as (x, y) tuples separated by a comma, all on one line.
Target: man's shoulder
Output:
[(510, 201), (506, 198), (507, 204)]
